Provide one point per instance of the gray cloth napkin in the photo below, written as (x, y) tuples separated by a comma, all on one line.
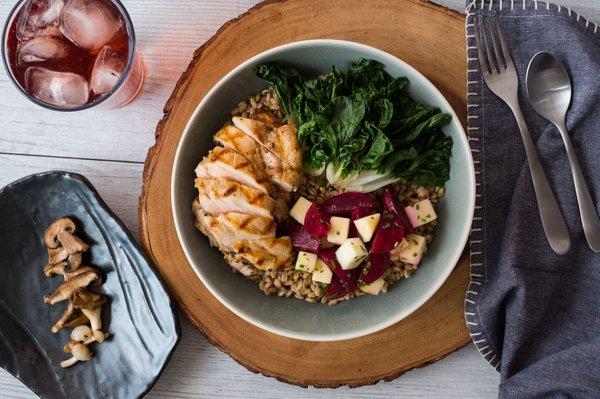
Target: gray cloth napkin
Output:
[(534, 315)]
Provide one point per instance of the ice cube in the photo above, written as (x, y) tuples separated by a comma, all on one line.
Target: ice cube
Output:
[(89, 24), (108, 68), (63, 89), (40, 49), (39, 18)]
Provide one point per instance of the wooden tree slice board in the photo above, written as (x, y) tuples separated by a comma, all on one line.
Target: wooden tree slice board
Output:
[(427, 36)]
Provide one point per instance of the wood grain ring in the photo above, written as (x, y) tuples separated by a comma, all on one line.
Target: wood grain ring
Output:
[(427, 36)]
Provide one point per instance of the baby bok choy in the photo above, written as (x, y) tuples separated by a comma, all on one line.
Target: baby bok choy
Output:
[(360, 129)]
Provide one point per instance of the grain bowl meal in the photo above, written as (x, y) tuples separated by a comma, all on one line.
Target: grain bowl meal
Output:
[(324, 188)]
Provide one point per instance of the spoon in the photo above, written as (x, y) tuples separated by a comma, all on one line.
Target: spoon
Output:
[(549, 90)]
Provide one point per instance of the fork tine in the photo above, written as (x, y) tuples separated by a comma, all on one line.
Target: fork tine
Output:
[(505, 51), (491, 59), (483, 61), (500, 62)]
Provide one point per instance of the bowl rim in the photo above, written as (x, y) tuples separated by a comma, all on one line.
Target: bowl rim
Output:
[(398, 316)]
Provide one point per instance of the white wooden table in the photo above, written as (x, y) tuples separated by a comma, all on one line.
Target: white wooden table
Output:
[(109, 147)]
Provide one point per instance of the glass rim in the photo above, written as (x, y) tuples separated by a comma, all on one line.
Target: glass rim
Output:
[(130, 60)]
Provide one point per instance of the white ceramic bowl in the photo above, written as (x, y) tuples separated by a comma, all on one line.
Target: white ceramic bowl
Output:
[(292, 317)]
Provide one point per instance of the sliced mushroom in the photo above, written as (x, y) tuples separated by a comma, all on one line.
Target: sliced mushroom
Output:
[(80, 352), (70, 264), (57, 255), (81, 270), (61, 234), (62, 253), (94, 316), (85, 335), (90, 304), (83, 299), (61, 225), (53, 269), (66, 316), (81, 333), (72, 317), (66, 289)]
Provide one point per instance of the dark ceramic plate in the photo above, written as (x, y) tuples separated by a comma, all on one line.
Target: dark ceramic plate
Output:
[(139, 315)]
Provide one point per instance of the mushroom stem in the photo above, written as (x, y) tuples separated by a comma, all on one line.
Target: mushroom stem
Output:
[(98, 336), (94, 316), (63, 319), (80, 353), (68, 363)]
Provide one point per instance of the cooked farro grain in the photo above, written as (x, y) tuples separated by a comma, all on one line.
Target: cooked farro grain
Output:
[(289, 282)]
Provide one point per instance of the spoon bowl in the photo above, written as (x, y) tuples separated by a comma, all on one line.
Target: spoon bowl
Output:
[(548, 87)]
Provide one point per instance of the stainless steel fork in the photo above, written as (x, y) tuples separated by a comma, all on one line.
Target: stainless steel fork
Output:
[(501, 77)]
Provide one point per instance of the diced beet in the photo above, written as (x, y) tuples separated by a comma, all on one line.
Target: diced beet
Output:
[(328, 255), (348, 278), (316, 221), (334, 288), (360, 212), (379, 263), (326, 244), (389, 202), (353, 232), (345, 276), (343, 291), (389, 233), (352, 285), (343, 204), (303, 241), (287, 228)]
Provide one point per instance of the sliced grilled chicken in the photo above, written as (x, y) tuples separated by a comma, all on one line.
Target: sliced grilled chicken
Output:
[(280, 151), (286, 138), (257, 130), (266, 253), (268, 119), (226, 228), (232, 137), (227, 163), (286, 178), (222, 195)]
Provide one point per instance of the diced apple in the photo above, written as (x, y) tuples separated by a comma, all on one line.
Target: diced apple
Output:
[(374, 287), (402, 245), (414, 252), (351, 253), (305, 262), (367, 226), (322, 273), (338, 232), (299, 209), (420, 213)]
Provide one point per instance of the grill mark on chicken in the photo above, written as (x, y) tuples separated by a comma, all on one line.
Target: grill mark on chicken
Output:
[(229, 192), (265, 254)]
